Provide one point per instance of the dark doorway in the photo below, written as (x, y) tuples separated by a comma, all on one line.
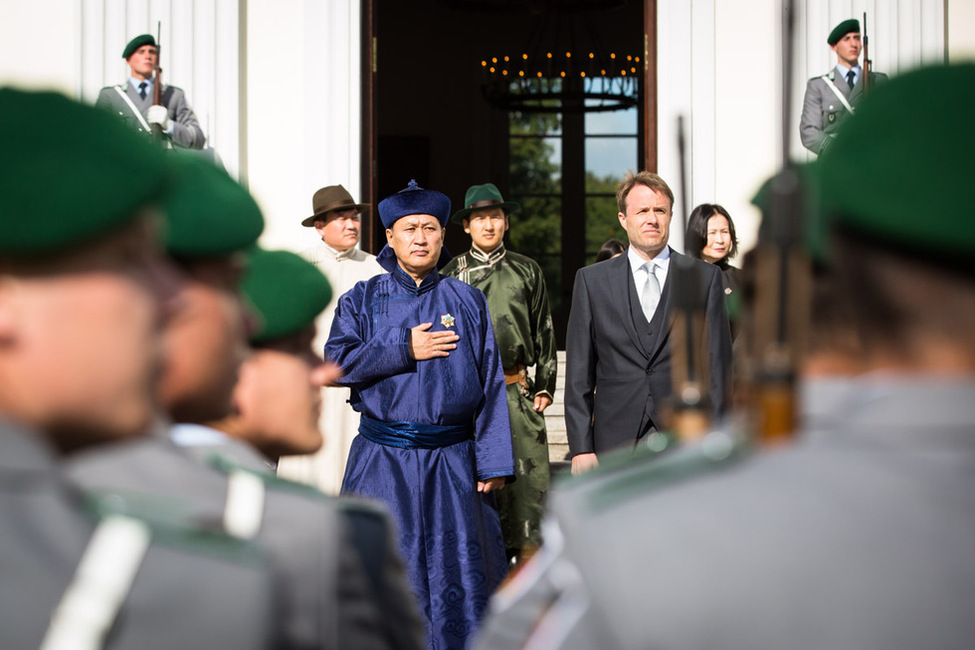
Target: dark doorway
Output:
[(429, 116)]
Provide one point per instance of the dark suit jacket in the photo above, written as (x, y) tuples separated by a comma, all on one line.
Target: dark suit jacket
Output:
[(610, 346)]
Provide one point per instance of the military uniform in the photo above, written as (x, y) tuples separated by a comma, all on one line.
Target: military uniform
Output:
[(49, 526), (518, 303), (327, 599), (107, 570), (132, 109), (823, 111)]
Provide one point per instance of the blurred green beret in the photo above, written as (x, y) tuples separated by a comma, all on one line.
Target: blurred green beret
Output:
[(210, 214), (136, 43), (841, 30), (287, 292), (804, 213), (900, 176), (69, 172)]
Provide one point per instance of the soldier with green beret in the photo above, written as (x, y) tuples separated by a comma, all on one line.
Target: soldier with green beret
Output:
[(831, 97), (518, 304), (132, 100), (84, 291), (327, 601), (859, 534)]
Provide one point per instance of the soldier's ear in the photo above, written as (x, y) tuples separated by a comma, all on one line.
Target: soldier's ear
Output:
[(9, 309), (467, 226)]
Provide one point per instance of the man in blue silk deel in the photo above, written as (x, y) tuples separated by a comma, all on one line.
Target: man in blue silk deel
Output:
[(419, 354)]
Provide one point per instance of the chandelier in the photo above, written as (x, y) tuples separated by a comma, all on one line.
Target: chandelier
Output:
[(563, 68)]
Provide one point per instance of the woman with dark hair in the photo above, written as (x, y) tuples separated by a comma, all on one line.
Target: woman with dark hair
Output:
[(711, 237), (610, 249)]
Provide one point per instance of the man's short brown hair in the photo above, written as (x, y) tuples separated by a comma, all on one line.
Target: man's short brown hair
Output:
[(648, 179)]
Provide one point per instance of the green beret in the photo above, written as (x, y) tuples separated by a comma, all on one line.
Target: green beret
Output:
[(902, 178), (210, 214), (136, 43), (287, 292), (841, 30), (804, 212), (69, 172)]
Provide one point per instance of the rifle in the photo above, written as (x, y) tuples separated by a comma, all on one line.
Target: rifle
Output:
[(781, 284), (867, 63), (157, 86)]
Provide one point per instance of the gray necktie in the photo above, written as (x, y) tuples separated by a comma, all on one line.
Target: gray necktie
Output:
[(650, 295)]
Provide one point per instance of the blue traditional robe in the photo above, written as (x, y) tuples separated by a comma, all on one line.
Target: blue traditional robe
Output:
[(450, 534)]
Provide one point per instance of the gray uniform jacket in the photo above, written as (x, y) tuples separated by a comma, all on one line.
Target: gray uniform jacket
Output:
[(327, 600), (44, 532), (822, 110), (860, 535), (186, 129), (610, 346)]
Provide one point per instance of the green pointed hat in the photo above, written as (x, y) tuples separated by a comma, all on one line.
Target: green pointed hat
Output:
[(480, 197)]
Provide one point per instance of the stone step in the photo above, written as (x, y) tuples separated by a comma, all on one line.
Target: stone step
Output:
[(558, 445)]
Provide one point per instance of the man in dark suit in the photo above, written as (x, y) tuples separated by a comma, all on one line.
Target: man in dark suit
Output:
[(618, 337), (132, 100), (830, 97)]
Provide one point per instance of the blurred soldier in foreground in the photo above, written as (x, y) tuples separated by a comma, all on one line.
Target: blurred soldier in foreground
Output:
[(418, 351), (84, 293), (860, 534), (518, 302), (133, 100), (337, 219), (326, 601)]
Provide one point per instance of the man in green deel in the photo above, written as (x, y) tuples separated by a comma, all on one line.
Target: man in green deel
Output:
[(518, 303)]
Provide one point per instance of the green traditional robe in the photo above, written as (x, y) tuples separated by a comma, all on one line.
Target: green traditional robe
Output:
[(518, 303)]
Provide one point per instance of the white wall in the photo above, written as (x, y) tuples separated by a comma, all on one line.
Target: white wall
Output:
[(303, 109), (38, 42), (276, 83)]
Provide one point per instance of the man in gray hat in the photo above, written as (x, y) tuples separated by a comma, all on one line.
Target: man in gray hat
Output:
[(133, 101), (337, 219), (831, 97)]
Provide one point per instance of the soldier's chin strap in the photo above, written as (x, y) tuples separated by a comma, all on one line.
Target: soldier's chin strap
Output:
[(103, 579)]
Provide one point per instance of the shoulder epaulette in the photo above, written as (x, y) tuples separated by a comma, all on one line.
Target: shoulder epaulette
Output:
[(624, 475)]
